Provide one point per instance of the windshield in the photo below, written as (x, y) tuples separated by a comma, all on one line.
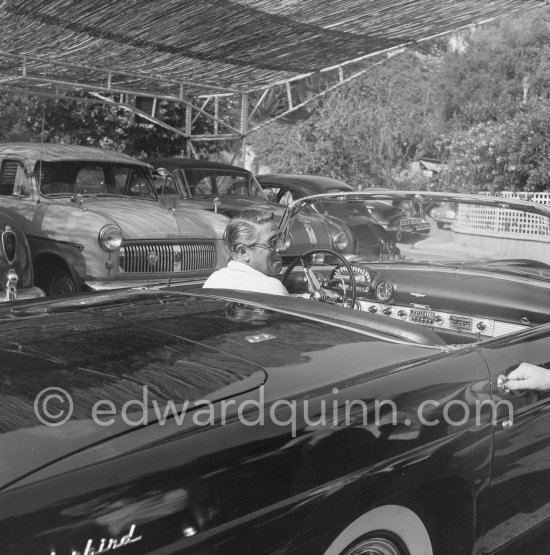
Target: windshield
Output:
[(208, 182), (500, 234), (93, 179)]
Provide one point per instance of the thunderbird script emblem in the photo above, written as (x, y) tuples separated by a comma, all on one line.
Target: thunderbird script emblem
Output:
[(106, 544)]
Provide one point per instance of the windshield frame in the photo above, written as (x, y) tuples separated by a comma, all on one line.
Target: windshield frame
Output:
[(511, 266)]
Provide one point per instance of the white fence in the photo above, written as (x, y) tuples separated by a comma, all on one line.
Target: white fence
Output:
[(496, 229), (541, 198), (503, 221)]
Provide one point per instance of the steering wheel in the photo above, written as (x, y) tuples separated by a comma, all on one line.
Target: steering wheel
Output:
[(320, 288)]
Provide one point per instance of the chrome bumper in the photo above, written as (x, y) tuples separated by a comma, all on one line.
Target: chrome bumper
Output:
[(24, 294)]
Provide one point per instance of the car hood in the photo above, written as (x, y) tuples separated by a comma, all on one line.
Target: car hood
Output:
[(135, 349), (148, 218), (103, 359)]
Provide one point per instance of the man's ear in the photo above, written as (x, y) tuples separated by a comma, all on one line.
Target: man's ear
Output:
[(242, 253)]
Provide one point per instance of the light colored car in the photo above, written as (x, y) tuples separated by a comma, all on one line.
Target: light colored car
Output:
[(444, 214), (93, 220)]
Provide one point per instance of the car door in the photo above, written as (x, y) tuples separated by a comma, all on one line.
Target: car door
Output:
[(518, 498)]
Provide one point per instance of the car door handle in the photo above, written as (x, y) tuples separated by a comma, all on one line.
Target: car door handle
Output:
[(502, 383)]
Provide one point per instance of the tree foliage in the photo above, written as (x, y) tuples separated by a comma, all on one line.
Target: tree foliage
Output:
[(493, 96), (364, 132), (478, 103), (484, 78), (98, 124), (512, 154)]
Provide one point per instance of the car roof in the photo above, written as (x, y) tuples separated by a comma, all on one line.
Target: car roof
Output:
[(191, 163), (310, 184), (50, 152)]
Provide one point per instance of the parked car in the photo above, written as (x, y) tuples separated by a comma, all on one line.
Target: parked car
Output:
[(228, 189), (374, 242), (93, 220), (443, 214), (386, 223), (171, 420), (16, 271)]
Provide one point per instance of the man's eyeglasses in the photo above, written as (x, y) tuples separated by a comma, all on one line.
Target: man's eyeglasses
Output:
[(276, 244)]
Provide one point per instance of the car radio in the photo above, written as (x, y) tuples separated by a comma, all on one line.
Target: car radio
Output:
[(462, 323), (421, 315)]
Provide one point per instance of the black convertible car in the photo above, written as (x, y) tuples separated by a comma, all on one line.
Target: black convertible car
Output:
[(172, 420)]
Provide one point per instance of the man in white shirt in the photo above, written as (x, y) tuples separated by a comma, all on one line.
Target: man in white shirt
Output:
[(253, 241)]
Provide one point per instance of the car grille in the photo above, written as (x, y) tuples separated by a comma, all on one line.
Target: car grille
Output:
[(366, 235), (146, 258)]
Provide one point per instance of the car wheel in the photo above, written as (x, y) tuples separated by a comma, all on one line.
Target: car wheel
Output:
[(59, 282), (440, 225), (387, 530), (378, 544)]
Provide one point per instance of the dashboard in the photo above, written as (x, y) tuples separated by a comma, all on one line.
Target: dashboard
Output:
[(461, 305), (436, 319)]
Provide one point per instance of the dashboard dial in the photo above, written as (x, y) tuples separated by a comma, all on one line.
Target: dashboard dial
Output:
[(384, 291), (363, 280)]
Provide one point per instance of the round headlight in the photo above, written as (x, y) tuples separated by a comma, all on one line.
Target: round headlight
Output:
[(451, 214), (110, 237), (340, 241)]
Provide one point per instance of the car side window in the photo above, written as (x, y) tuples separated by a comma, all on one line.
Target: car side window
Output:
[(270, 193), (256, 190), (285, 196), (279, 195), (13, 179)]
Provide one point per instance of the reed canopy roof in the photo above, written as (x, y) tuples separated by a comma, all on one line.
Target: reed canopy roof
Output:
[(183, 48)]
